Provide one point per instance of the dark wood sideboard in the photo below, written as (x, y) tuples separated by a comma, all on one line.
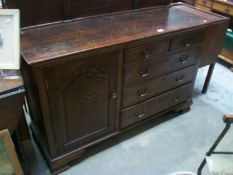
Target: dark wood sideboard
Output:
[(93, 78)]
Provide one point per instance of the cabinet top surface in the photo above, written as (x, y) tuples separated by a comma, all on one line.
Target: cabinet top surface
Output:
[(9, 84), (56, 40)]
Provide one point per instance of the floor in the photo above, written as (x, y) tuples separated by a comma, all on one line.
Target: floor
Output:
[(179, 144)]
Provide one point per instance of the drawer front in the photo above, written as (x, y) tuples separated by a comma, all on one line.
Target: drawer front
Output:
[(150, 88), (155, 105), (203, 7), (151, 69), (224, 8), (146, 52), (186, 40), (206, 3)]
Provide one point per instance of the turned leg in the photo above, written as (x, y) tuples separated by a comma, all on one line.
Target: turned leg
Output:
[(208, 77)]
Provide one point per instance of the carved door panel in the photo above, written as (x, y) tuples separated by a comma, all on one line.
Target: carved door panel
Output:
[(80, 99)]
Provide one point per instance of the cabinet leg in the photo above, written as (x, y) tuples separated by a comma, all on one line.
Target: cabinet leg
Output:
[(63, 164), (208, 77), (19, 145), (185, 107), (60, 168)]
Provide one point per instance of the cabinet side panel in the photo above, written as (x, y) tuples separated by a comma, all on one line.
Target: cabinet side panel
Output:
[(32, 97), (212, 44)]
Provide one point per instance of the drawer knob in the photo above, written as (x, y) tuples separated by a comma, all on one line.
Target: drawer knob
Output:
[(227, 10), (203, 2), (141, 115), (146, 53), (184, 59), (114, 95), (176, 100), (187, 43), (142, 93), (144, 73), (180, 79)]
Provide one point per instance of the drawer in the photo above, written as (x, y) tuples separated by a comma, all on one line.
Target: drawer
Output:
[(155, 105), (146, 52), (149, 69), (203, 7), (206, 3), (150, 88), (187, 40), (224, 8)]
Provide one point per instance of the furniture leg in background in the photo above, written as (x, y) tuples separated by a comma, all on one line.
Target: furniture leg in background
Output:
[(208, 78), (228, 119)]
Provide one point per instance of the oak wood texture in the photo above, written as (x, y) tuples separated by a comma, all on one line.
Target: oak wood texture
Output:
[(77, 73), (7, 84), (203, 7), (151, 69), (204, 3), (90, 107), (146, 52), (223, 7), (155, 105), (227, 56), (134, 25), (155, 86)]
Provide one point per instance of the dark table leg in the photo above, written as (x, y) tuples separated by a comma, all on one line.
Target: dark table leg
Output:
[(208, 77)]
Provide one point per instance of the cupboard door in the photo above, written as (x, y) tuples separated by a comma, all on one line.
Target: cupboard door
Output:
[(81, 101)]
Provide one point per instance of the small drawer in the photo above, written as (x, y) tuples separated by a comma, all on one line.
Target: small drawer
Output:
[(150, 88), (206, 3), (187, 40), (146, 52), (151, 69), (155, 105), (223, 8), (203, 7)]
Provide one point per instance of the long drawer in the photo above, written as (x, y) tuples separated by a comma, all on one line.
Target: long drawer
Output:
[(222, 7), (150, 69), (206, 3), (150, 88), (146, 52), (155, 105)]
